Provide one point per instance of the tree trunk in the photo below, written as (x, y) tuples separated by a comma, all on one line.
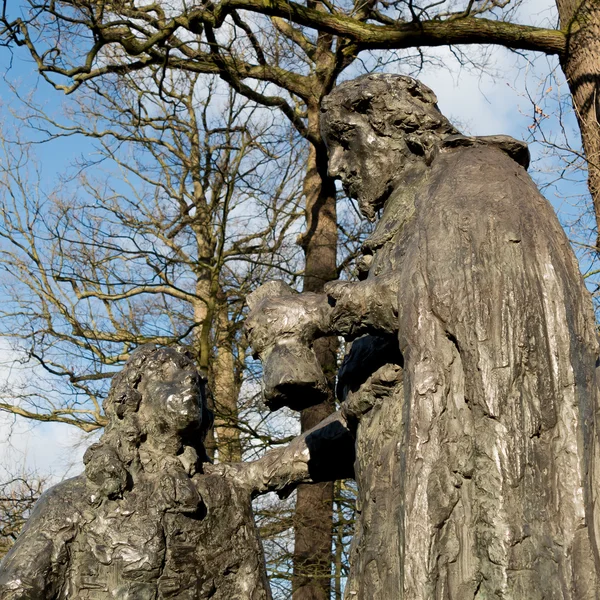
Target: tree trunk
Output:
[(313, 524), (202, 347), (581, 64), (226, 391)]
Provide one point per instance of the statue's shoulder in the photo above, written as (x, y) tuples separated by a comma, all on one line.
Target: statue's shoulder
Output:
[(515, 149), (75, 486), (41, 544), (63, 499)]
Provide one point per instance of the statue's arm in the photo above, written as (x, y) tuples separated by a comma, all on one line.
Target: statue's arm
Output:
[(346, 308), (364, 307), (324, 453), (35, 566), (283, 324)]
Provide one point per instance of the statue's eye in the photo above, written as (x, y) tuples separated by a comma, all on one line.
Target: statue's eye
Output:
[(345, 138), (344, 143)]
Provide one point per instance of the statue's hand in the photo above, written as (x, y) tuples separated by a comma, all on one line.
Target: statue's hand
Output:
[(280, 329), (277, 313), (347, 302), (369, 306)]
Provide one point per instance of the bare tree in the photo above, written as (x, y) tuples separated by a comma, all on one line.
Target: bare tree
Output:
[(298, 50), (106, 241), (296, 60), (192, 210)]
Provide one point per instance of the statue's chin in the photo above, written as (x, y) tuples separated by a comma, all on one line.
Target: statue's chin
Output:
[(369, 206)]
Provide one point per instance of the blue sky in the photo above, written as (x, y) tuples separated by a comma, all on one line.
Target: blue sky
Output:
[(51, 449)]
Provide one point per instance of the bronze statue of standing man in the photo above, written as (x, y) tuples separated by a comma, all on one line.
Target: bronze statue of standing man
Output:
[(489, 446)]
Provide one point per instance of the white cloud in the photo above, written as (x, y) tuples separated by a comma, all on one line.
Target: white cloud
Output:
[(51, 450)]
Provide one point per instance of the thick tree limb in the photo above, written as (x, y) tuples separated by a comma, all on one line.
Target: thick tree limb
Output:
[(468, 30)]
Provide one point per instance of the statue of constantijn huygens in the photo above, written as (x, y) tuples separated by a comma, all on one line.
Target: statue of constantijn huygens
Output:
[(471, 380)]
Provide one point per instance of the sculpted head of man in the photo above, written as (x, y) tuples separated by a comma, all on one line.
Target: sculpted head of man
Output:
[(378, 130), (156, 409)]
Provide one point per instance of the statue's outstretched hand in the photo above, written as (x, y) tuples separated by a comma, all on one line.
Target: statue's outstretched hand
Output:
[(347, 305), (280, 328), (369, 306)]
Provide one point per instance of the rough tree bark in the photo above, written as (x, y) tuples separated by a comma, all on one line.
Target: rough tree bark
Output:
[(202, 346), (313, 524), (226, 392), (580, 19)]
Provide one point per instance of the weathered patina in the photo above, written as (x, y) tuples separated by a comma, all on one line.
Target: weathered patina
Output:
[(477, 461)]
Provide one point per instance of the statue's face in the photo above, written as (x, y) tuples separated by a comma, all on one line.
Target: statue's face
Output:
[(367, 164), (173, 397)]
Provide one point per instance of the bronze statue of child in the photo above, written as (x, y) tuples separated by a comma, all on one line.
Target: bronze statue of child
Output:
[(150, 518)]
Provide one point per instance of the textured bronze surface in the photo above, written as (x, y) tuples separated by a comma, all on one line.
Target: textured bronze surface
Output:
[(144, 522), (150, 519), (477, 462)]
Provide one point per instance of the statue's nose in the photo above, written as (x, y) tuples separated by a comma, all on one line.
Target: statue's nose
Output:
[(334, 168)]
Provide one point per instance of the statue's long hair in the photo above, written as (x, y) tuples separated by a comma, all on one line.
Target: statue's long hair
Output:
[(395, 106), (109, 464)]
